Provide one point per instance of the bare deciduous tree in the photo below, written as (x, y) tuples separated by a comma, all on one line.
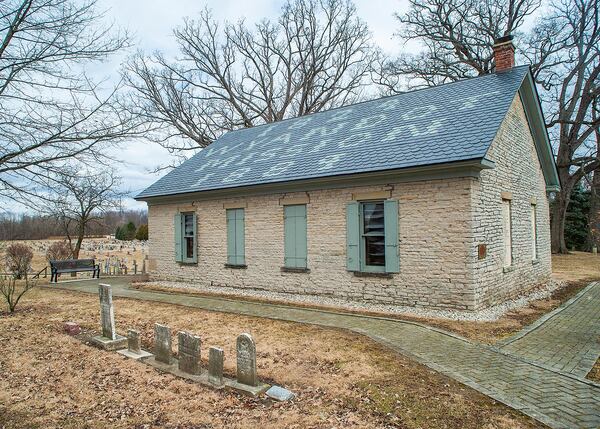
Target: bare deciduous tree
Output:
[(563, 50), (81, 200), (50, 110), (315, 56), (457, 38)]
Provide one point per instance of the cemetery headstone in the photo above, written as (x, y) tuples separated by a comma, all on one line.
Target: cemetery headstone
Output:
[(107, 313), (215, 366), (133, 341), (246, 360), (134, 349), (189, 352), (162, 343), (109, 340)]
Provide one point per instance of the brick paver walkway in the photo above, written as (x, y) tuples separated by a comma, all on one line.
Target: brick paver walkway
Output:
[(568, 339), (557, 399)]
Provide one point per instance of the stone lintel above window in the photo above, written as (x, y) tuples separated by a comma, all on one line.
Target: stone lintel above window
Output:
[(373, 195)]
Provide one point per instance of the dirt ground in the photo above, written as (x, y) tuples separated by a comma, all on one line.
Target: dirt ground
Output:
[(342, 380)]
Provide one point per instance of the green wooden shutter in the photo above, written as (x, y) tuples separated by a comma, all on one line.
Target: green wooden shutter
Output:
[(392, 263), (195, 221), (352, 237), (178, 238), (295, 245), (240, 240), (230, 237), (235, 237)]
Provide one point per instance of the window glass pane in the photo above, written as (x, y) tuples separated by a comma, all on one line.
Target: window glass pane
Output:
[(373, 233), (373, 218), (189, 247), (189, 225), (375, 250)]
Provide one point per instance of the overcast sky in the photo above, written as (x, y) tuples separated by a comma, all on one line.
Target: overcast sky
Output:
[(151, 22)]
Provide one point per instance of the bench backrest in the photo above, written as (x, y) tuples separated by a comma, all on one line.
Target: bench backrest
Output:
[(69, 264)]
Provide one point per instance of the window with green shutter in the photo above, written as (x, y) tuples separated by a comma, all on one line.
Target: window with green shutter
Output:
[(186, 240), (295, 243), (372, 236), (235, 237)]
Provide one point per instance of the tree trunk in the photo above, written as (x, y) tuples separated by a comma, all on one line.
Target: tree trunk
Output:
[(594, 218), (558, 213)]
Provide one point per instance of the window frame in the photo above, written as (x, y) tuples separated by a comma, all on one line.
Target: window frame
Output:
[(534, 234), (507, 223), (184, 257), (363, 242)]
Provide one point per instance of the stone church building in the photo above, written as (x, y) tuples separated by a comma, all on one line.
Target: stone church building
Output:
[(432, 198)]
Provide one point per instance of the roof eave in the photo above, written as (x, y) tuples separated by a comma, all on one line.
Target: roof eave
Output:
[(464, 168), (537, 125)]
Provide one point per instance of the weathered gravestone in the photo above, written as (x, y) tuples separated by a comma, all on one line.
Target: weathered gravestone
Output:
[(133, 341), (215, 366), (109, 340), (134, 349), (162, 343), (189, 352), (246, 360), (247, 379)]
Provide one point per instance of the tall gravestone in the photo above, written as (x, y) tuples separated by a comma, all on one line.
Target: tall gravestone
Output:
[(246, 360), (215, 366), (189, 352), (109, 340), (107, 312), (162, 343)]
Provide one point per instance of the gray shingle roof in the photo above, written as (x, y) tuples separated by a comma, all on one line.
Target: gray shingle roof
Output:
[(447, 123)]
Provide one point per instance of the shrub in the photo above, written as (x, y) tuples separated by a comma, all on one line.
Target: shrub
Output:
[(58, 251), (18, 259), (12, 291), (142, 233)]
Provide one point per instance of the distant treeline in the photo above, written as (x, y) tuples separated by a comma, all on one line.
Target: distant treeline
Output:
[(35, 227)]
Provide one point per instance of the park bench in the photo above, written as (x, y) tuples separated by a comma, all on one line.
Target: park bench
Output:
[(73, 266)]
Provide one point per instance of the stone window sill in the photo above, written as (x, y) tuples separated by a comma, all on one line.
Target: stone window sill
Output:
[(508, 269), (294, 270), (535, 262), (187, 263), (369, 274), (236, 267)]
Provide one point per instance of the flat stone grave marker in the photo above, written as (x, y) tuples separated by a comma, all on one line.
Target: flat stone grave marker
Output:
[(162, 343), (109, 340), (189, 352), (215, 366), (134, 350), (279, 393)]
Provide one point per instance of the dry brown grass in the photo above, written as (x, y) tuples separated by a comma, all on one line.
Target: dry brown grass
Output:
[(51, 380)]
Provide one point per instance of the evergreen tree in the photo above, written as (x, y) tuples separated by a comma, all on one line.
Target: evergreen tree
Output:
[(130, 231), (142, 233), (577, 219)]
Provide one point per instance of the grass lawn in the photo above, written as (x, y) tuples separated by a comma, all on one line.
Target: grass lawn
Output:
[(51, 380)]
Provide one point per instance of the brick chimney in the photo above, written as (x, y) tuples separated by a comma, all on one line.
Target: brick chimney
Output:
[(504, 53)]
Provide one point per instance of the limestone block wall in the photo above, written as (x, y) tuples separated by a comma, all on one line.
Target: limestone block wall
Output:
[(435, 236), (517, 174)]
